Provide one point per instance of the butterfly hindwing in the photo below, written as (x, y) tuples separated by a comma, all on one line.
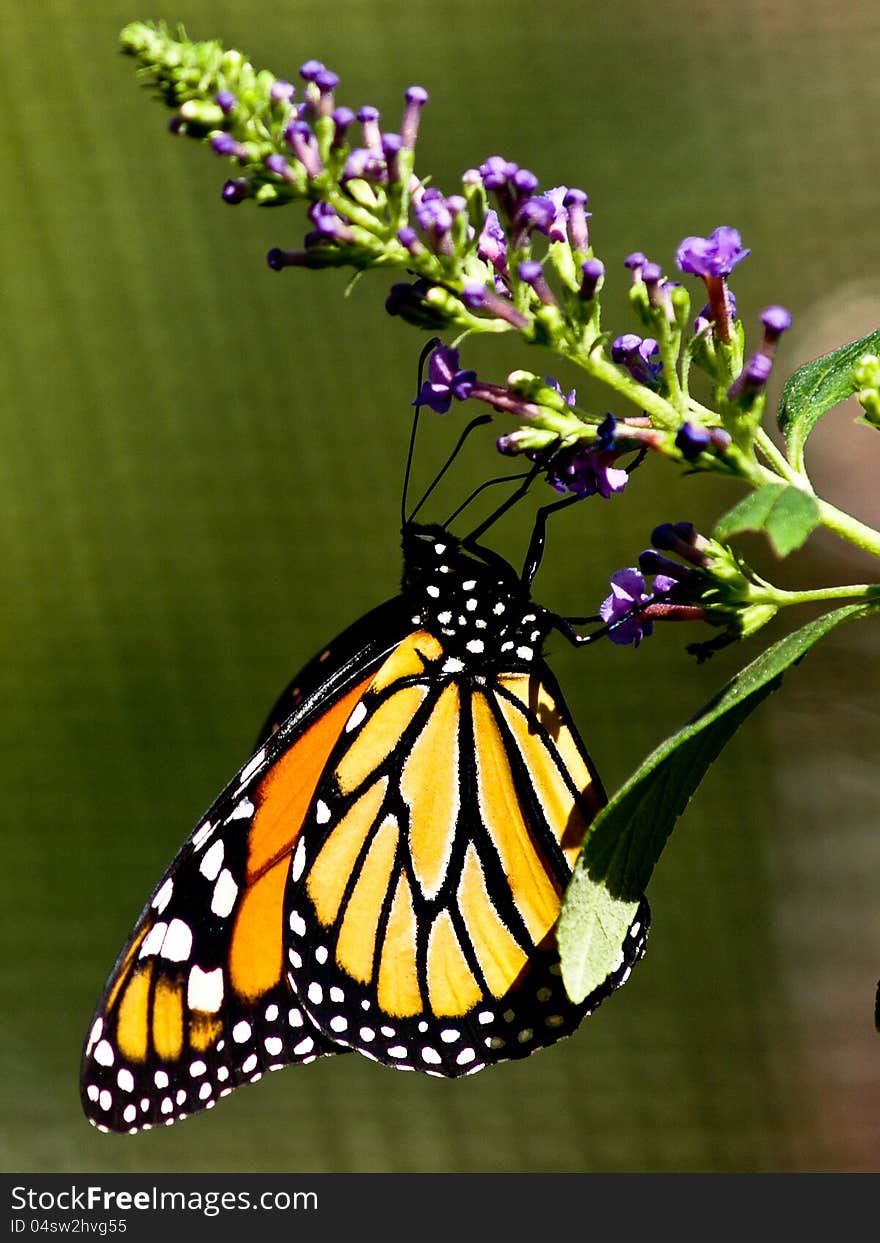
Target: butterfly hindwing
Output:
[(429, 876), (198, 1001)]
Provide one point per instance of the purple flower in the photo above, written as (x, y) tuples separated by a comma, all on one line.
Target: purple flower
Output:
[(445, 381), (692, 440), (496, 172), (713, 256), (637, 354), (236, 191), (225, 101), (432, 212), (492, 242), (364, 165), (586, 472), (619, 611)]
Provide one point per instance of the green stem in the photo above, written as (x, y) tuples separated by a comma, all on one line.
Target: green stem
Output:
[(859, 591), (849, 528), (779, 462), (663, 413)]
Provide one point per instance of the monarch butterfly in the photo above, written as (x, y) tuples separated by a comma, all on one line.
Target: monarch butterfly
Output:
[(384, 873)]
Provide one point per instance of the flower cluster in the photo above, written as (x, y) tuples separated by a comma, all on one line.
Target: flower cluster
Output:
[(702, 581), (497, 252)]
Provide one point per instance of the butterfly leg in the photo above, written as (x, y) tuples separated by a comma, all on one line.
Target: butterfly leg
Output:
[(535, 553)]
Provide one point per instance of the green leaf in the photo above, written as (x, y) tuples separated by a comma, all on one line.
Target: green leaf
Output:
[(784, 513), (628, 836), (816, 388)]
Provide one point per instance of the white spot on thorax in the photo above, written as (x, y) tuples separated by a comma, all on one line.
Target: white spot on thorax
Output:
[(453, 665), (433, 591), (476, 646)]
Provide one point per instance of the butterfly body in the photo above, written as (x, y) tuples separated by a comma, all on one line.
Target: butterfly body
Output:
[(384, 874)]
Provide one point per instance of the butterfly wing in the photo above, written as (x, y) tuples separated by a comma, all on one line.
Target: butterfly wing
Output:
[(198, 1001), (427, 882)]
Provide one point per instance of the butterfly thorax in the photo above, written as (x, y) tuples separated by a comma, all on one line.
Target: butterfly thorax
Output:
[(480, 610)]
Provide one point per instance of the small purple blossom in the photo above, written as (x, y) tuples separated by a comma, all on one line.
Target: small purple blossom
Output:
[(586, 472), (432, 212), (225, 144), (492, 242), (497, 172), (638, 355), (714, 256), (445, 381), (692, 440), (751, 381), (225, 101), (619, 610), (363, 164), (310, 70), (575, 201)]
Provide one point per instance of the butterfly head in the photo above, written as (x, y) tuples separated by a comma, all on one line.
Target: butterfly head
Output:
[(473, 601)]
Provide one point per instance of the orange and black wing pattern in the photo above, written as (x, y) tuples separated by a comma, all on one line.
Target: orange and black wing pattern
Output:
[(199, 1002), (427, 884), (384, 874)]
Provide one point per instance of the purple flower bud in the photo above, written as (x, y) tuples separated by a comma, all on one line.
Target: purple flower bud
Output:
[(301, 141), (574, 202), (652, 273), (692, 440), (282, 91), (278, 258), (776, 321), (176, 125), (409, 240), (310, 70), (369, 119), (432, 213), (343, 118), (593, 270), (751, 380), (225, 144), (478, 297), (635, 262), (532, 273), (714, 256), (236, 191), (329, 224), (524, 181), (225, 101), (492, 242), (538, 212), (326, 81), (416, 98)]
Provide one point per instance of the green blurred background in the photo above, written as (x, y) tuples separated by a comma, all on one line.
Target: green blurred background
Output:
[(199, 485)]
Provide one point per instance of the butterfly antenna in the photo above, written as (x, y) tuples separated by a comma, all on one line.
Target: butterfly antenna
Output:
[(479, 421), (423, 357)]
